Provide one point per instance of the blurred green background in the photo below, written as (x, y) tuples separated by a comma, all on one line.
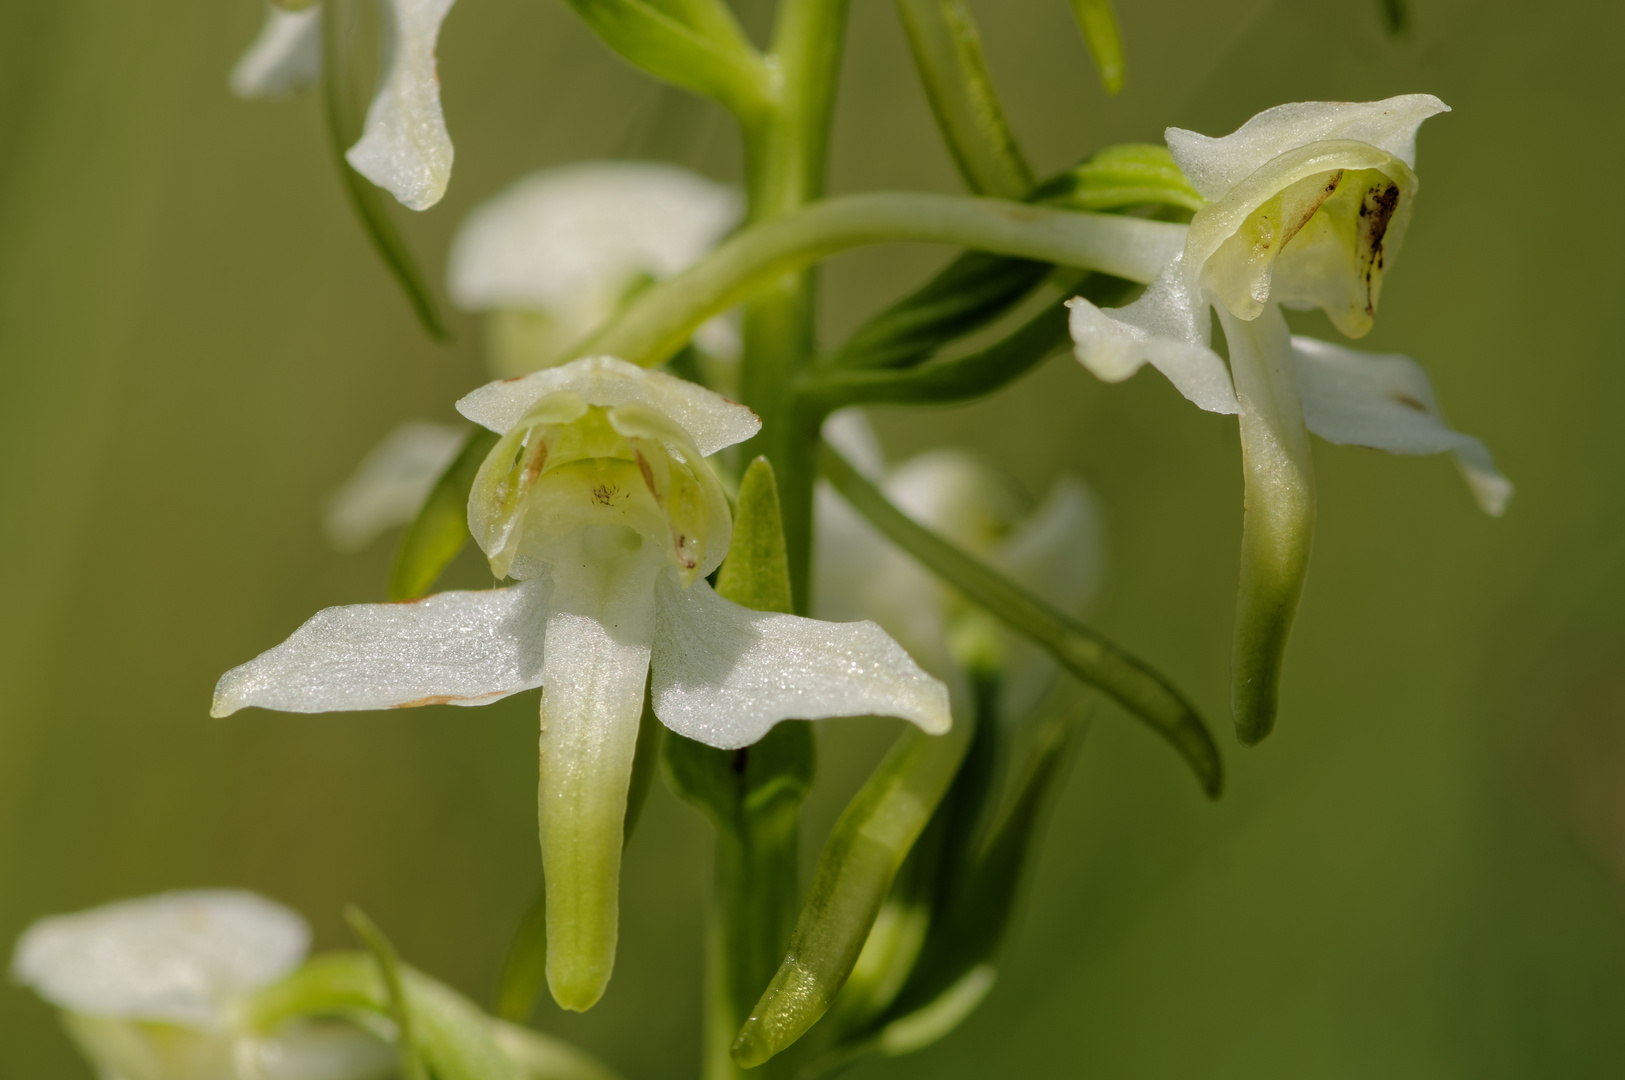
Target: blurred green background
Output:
[(1419, 875)]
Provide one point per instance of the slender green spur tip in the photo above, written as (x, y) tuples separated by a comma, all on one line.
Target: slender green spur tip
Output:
[(1098, 21), (756, 573)]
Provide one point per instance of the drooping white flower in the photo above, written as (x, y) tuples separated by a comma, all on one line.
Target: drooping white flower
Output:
[(285, 57), (151, 990), (404, 146), (555, 254), (1309, 204), (597, 501), (1054, 548)]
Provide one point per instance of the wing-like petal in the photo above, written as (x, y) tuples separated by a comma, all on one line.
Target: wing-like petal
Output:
[(180, 957), (709, 418), (389, 486), (724, 675), (285, 57), (1214, 166), (1386, 402), (453, 648), (1166, 328), (404, 147)]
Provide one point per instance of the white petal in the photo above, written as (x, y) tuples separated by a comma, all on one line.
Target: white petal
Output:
[(404, 147), (724, 675), (453, 648), (599, 629), (1214, 166), (285, 57), (178, 956), (323, 1051), (1166, 328), (1386, 402), (710, 419), (388, 487), (581, 235), (959, 495)]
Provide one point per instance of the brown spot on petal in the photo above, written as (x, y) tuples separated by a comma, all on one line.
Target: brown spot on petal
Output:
[(1410, 403)]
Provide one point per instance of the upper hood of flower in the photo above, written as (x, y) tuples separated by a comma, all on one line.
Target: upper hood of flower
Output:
[(181, 957)]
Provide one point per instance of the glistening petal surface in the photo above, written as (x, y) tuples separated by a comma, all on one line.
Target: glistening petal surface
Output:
[(709, 418), (180, 957), (1386, 402), (1165, 328), (1214, 166), (287, 54), (724, 675), (453, 648), (404, 147)]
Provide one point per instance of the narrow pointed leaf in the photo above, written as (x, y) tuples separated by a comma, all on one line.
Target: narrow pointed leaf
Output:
[(855, 872), (1084, 653), (1098, 21), (1119, 177), (369, 202), (440, 531), (756, 573), (947, 49), (389, 969), (963, 378)]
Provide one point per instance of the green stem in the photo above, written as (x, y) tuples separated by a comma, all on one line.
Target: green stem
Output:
[(658, 322), (1087, 655)]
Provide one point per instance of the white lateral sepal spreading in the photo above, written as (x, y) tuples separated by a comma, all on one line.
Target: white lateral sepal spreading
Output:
[(404, 147), (286, 56), (1386, 402), (152, 989)]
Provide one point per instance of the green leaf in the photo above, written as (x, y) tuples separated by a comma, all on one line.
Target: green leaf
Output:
[(963, 378), (854, 875), (1081, 651), (1098, 21), (1119, 177), (971, 292), (756, 573), (389, 969), (542, 1057), (440, 530), (370, 204), (947, 48)]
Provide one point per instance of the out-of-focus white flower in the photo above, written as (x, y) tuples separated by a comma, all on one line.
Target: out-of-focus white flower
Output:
[(556, 254), (1054, 549), (151, 989), (404, 146), (285, 57), (598, 502), (388, 487)]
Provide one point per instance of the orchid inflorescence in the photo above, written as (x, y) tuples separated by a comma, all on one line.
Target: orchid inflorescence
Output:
[(688, 578)]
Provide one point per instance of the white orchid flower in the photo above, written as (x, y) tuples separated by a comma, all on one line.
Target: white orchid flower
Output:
[(1055, 549), (556, 254), (598, 502), (389, 486), (404, 146), (1309, 203), (151, 989)]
